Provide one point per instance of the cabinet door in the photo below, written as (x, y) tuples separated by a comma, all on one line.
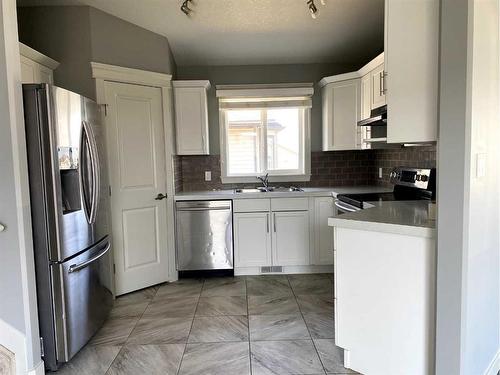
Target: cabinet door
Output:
[(366, 96), (323, 234), (45, 75), (252, 239), (28, 68), (33, 72), (291, 238), (191, 120), (377, 78), (411, 62), (343, 107)]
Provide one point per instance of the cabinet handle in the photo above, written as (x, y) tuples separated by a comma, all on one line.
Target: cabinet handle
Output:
[(381, 83), (274, 222), (384, 74), (267, 222)]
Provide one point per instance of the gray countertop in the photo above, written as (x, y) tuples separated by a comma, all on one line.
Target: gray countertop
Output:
[(399, 217), (308, 192)]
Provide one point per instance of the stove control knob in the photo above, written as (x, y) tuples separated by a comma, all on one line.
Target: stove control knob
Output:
[(424, 178), (418, 177)]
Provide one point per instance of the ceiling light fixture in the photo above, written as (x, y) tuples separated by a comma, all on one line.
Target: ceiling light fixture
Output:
[(185, 7), (313, 9)]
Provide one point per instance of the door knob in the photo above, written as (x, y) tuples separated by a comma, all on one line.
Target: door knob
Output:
[(160, 196)]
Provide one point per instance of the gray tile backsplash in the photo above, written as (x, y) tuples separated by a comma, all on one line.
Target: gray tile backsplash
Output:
[(333, 168)]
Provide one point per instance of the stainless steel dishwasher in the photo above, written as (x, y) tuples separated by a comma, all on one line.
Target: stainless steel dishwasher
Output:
[(204, 235)]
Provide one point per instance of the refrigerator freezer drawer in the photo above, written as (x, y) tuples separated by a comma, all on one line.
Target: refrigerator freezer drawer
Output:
[(82, 298)]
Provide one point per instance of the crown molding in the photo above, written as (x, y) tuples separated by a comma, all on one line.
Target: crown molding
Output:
[(128, 75)]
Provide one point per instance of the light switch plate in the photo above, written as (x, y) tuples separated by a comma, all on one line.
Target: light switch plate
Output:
[(208, 175), (481, 165)]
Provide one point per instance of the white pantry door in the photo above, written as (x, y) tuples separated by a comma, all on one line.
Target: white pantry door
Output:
[(136, 151)]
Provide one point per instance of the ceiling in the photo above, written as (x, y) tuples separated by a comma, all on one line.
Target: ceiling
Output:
[(248, 32)]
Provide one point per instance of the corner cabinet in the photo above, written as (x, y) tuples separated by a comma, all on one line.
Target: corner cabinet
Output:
[(36, 67), (341, 99), (191, 117)]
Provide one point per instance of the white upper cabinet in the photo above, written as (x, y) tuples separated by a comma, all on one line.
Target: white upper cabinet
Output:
[(377, 83), (411, 61), (36, 67), (191, 117), (341, 112), (366, 94)]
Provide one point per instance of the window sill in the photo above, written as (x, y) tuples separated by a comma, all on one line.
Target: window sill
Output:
[(253, 179)]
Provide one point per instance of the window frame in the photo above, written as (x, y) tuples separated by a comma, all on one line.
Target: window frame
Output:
[(274, 176)]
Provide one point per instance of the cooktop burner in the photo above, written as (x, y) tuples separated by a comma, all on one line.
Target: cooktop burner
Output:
[(358, 200), (409, 184)]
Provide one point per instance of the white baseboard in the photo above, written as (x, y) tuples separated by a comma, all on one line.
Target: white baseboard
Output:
[(248, 271), (494, 366), (39, 369)]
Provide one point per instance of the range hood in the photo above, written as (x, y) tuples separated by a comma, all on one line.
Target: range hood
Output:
[(378, 117)]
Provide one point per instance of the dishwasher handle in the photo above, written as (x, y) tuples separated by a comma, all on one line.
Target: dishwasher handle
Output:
[(204, 208), (203, 205)]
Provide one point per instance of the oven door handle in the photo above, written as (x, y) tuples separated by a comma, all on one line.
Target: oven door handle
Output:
[(344, 207)]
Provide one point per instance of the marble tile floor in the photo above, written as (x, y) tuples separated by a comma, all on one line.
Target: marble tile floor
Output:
[(260, 325)]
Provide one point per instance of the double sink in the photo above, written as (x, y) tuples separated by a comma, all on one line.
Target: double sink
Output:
[(269, 189)]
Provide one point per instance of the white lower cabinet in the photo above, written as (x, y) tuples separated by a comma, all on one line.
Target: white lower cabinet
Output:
[(252, 239), (323, 234), (288, 232), (291, 238)]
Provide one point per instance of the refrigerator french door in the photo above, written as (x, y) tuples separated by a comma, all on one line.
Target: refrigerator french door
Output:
[(70, 213)]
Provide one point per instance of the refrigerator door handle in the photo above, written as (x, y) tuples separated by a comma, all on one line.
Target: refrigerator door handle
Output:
[(78, 267), (95, 171)]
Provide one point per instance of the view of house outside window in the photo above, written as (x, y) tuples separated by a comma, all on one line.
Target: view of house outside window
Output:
[(265, 141)]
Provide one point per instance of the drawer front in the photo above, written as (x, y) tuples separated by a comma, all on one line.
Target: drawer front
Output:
[(251, 205), (289, 204)]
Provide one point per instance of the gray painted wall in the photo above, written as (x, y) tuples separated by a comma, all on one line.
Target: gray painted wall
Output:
[(468, 279), (250, 74), (62, 33), (118, 42), (77, 35)]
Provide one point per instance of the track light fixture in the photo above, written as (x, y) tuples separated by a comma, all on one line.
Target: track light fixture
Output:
[(185, 7), (313, 9)]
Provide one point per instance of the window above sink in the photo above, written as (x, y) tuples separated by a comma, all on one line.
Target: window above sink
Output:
[(265, 130)]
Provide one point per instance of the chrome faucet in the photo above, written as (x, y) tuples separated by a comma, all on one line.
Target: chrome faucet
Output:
[(264, 180)]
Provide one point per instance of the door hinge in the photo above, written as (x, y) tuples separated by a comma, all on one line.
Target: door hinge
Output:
[(109, 190), (42, 351), (114, 268)]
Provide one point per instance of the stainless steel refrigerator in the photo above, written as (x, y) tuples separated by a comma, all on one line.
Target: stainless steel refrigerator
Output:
[(70, 216)]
